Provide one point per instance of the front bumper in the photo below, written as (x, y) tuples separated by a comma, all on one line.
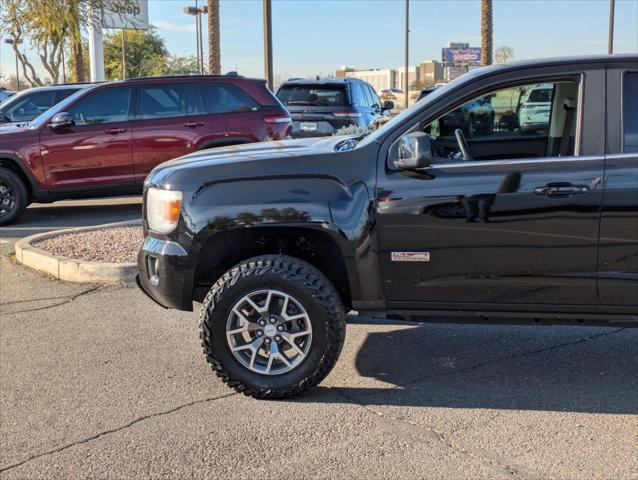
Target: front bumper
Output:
[(166, 273)]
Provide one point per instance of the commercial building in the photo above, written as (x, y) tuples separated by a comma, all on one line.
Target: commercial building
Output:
[(430, 71), (413, 76), (379, 79)]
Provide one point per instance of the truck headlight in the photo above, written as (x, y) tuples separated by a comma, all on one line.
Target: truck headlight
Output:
[(162, 209)]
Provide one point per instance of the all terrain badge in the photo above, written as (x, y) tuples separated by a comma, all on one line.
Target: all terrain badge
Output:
[(410, 256)]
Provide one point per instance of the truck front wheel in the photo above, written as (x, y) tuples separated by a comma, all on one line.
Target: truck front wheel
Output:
[(272, 326)]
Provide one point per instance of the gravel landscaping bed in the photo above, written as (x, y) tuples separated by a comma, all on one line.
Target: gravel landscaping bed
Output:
[(113, 245)]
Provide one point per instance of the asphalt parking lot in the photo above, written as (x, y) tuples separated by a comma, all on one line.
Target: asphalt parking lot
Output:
[(97, 383)]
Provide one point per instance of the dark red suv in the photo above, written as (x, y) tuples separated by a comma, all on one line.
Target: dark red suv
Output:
[(105, 139)]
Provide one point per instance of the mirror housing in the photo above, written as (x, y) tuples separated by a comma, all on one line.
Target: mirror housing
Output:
[(388, 105), (415, 151), (61, 120)]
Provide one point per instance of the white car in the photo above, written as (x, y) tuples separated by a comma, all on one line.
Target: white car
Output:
[(392, 92), (534, 112)]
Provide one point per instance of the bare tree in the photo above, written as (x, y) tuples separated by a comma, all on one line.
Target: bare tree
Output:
[(503, 55), (214, 54), (486, 32)]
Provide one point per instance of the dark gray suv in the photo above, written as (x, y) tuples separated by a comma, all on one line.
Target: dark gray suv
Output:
[(321, 107)]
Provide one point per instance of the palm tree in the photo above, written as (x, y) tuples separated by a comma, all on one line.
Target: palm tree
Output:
[(214, 57), (486, 32)]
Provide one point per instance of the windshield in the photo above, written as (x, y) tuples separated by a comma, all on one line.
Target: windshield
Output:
[(314, 95), (60, 107)]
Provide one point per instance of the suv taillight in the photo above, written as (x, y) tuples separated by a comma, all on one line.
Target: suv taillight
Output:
[(278, 119), (347, 114)]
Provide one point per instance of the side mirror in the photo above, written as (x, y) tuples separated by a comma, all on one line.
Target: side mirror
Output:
[(388, 105), (61, 120), (415, 151)]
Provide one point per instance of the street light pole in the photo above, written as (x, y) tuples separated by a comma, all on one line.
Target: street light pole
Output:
[(268, 43), (612, 8), (197, 12), (198, 34), (201, 10), (406, 81), (13, 42)]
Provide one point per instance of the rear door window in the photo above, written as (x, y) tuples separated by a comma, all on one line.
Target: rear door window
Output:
[(376, 103), (630, 112), (172, 100), (104, 106), (358, 97), (313, 95), (61, 94), (226, 98)]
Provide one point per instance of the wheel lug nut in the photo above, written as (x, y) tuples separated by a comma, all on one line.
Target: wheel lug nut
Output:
[(267, 340), (273, 319), (262, 323), (277, 338), (259, 333), (280, 328)]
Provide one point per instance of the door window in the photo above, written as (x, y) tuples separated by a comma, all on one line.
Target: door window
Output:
[(173, 100), (376, 103), (359, 97), (534, 120), (630, 112), (224, 98), (105, 106)]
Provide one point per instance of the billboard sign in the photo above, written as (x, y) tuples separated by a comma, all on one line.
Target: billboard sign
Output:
[(462, 55), (130, 14)]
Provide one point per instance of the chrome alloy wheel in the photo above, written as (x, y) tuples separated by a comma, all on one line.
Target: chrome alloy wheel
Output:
[(269, 332), (7, 198)]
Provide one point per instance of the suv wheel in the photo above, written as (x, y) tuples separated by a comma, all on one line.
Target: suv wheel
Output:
[(272, 326), (13, 196)]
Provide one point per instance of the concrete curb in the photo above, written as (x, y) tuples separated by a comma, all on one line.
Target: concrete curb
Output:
[(71, 270)]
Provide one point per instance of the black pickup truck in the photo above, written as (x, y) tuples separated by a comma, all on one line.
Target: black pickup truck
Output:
[(425, 217)]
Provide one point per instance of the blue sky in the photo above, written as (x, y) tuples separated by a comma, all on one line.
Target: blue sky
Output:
[(316, 36)]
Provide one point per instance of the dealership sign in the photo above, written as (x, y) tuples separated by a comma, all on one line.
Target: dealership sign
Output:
[(462, 55), (132, 14)]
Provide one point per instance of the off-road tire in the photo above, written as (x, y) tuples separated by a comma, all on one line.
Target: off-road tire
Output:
[(295, 277), (20, 193)]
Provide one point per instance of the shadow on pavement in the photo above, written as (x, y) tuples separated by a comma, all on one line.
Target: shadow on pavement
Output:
[(41, 218), (573, 369)]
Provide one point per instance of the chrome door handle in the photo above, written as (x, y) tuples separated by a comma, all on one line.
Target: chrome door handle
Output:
[(193, 124), (115, 130), (561, 189)]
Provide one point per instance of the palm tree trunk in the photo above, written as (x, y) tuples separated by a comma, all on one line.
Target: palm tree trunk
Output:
[(214, 56), (77, 56), (486, 32)]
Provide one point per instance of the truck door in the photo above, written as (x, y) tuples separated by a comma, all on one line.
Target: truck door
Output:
[(517, 223), (618, 251)]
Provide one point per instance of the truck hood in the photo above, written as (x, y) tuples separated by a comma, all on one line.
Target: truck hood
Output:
[(249, 160)]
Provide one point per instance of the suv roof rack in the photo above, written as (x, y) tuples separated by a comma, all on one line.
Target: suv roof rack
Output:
[(188, 75)]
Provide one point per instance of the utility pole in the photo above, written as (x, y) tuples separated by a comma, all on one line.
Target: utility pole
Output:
[(202, 10), (123, 55), (63, 65), (268, 43), (612, 8), (406, 81)]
